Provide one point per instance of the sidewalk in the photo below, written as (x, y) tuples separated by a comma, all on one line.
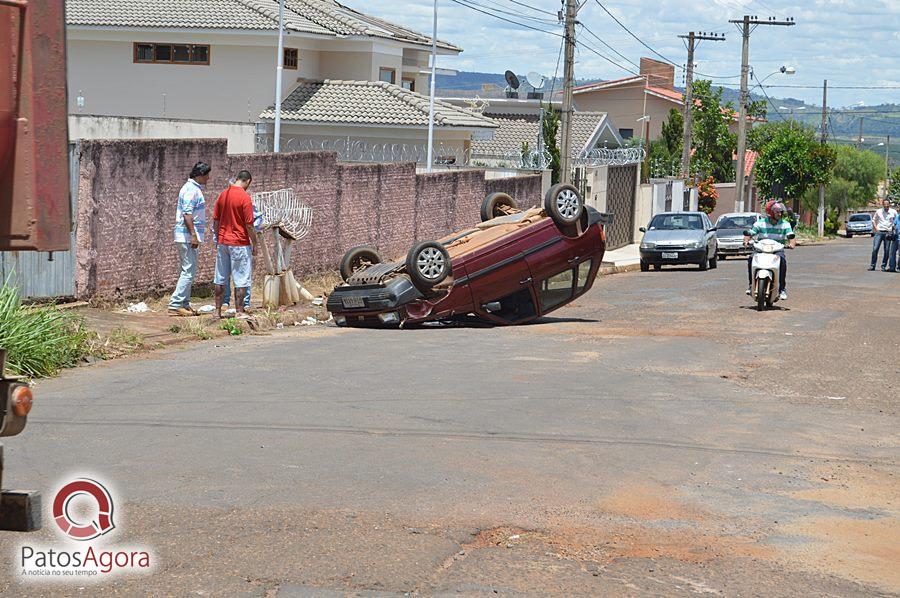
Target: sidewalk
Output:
[(624, 259)]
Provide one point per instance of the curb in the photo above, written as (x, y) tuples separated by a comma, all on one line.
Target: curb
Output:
[(606, 270)]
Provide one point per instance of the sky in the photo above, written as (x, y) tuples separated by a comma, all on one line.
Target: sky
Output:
[(848, 42)]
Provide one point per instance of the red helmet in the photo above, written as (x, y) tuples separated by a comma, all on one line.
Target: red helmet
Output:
[(773, 206)]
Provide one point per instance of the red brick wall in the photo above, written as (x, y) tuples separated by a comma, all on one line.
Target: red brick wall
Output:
[(128, 191)]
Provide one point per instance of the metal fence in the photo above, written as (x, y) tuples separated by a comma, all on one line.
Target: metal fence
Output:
[(358, 150), (33, 272)]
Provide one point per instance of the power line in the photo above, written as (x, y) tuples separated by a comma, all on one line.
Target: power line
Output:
[(643, 43), (534, 8), (499, 8), (490, 14), (598, 38), (794, 86), (606, 58)]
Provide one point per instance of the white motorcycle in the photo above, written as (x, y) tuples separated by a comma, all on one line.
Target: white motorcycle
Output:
[(766, 269)]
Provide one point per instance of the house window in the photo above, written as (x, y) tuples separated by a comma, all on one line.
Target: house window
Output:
[(291, 58), (387, 75), (171, 53), (408, 83), (626, 133)]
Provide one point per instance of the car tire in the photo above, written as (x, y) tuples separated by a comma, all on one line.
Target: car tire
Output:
[(358, 257), (713, 263), (493, 204), (427, 264), (563, 204), (721, 257), (849, 235), (645, 267), (657, 267)]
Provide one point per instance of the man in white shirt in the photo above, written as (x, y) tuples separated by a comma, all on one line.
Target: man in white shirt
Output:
[(190, 225), (885, 233)]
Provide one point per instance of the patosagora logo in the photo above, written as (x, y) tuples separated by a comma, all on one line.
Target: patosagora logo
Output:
[(78, 530), (82, 511)]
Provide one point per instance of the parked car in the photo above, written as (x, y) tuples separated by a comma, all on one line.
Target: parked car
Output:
[(678, 238), (511, 268), (730, 233), (859, 224)]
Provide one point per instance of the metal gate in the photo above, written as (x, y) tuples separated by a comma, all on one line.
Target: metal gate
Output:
[(620, 192), (36, 276)]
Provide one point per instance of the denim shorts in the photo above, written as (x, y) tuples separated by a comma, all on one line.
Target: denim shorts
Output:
[(234, 262)]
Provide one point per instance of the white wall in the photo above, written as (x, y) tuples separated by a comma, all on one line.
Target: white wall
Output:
[(241, 136)]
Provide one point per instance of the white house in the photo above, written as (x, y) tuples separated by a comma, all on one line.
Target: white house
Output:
[(163, 68)]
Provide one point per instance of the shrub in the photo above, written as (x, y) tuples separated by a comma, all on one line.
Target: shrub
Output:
[(39, 340)]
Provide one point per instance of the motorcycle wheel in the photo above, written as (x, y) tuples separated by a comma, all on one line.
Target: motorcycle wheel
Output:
[(762, 293)]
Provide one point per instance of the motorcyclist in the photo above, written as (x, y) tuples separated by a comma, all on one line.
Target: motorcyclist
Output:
[(774, 226)]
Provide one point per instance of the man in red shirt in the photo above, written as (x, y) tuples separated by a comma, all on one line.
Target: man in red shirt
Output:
[(235, 241)]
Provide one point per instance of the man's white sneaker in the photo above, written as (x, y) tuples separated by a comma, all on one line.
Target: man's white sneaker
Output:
[(782, 295), (749, 291)]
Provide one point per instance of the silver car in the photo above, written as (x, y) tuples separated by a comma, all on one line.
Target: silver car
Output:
[(859, 224), (679, 238), (730, 233)]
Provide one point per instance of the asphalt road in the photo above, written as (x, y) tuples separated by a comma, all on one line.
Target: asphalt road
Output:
[(657, 438)]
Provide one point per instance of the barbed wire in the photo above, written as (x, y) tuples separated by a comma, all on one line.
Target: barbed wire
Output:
[(357, 150)]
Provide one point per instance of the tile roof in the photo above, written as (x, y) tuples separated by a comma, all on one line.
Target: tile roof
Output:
[(369, 102), (749, 161), (323, 17), (514, 129)]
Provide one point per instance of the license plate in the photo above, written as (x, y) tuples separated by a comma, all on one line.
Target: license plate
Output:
[(670, 255), (353, 302)]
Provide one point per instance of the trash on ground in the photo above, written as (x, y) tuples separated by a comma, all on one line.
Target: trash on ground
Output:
[(206, 309), (137, 308), (317, 301), (279, 325)]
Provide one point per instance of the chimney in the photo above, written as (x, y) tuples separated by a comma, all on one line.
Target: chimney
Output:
[(659, 74)]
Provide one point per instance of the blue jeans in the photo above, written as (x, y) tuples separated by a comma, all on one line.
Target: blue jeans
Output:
[(893, 251), (187, 255), (877, 240)]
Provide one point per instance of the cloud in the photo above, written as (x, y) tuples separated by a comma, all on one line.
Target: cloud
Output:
[(848, 42)]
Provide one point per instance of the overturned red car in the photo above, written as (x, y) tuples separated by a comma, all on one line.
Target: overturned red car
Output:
[(513, 267)]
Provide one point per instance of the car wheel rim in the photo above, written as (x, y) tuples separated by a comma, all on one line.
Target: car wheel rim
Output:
[(567, 204), (430, 263)]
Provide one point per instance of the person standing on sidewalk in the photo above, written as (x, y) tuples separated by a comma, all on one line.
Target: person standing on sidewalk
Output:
[(190, 225), (236, 241), (226, 299), (883, 225), (895, 252)]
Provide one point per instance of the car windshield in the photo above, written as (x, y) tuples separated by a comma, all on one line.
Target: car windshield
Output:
[(726, 222), (676, 222), (859, 218)]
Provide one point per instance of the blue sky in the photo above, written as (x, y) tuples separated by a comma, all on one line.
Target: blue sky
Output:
[(848, 42)]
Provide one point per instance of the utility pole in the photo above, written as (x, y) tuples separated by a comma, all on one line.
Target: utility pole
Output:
[(279, 71), (429, 149), (859, 139), (565, 150), (887, 167), (746, 27), (692, 38), (824, 137)]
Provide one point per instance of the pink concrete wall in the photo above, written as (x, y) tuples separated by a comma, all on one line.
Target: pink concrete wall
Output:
[(128, 191)]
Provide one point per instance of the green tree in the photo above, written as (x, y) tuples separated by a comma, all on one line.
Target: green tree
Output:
[(894, 188), (664, 154), (792, 157), (761, 134), (672, 132), (551, 129), (714, 145), (856, 175)]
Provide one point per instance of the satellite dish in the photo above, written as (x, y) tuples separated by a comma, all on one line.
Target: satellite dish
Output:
[(512, 80), (535, 79)]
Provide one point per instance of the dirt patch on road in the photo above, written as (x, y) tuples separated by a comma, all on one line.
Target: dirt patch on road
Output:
[(649, 502), (854, 486), (862, 549)]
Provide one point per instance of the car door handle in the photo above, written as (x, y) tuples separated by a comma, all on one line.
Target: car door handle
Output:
[(574, 259), (526, 281)]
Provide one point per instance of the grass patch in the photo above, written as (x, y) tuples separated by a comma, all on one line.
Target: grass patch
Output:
[(117, 343), (231, 326), (40, 340)]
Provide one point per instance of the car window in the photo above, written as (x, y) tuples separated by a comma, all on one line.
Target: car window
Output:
[(557, 289), (517, 306), (726, 222), (860, 218), (676, 222), (584, 269)]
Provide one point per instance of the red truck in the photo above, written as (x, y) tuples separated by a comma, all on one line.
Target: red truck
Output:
[(34, 183)]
